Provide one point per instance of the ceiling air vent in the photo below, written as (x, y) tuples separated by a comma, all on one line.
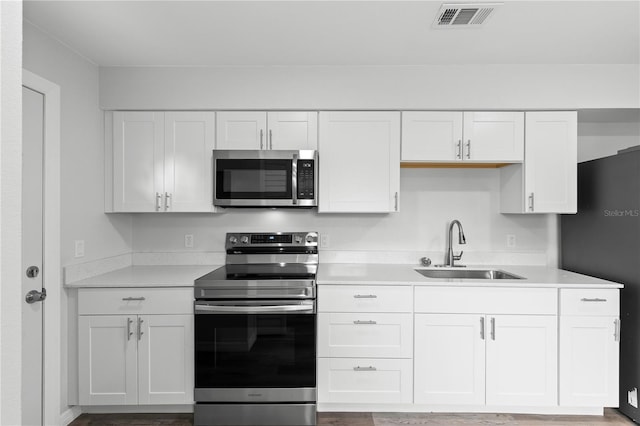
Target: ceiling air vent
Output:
[(464, 15)]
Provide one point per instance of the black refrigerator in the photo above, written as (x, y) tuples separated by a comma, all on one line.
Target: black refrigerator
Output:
[(603, 240)]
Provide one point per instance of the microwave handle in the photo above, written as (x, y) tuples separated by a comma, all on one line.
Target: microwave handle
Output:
[(294, 179)]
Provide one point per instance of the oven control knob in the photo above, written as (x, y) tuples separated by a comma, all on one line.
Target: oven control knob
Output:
[(298, 239), (244, 240), (311, 238), (233, 239)]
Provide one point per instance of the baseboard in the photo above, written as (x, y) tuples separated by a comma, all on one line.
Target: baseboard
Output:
[(70, 415), (109, 409)]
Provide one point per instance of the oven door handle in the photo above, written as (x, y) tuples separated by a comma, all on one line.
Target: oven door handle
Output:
[(252, 309)]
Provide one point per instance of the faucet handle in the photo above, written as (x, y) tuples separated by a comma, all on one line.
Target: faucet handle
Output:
[(458, 256), (425, 261)]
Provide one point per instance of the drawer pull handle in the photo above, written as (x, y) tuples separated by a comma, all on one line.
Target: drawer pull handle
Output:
[(369, 368), (365, 296), (596, 299), (364, 322), (129, 299)]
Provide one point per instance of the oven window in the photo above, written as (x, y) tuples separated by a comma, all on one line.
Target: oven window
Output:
[(253, 179), (255, 351)]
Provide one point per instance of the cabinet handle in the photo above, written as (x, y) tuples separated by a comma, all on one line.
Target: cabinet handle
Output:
[(129, 332), (469, 149), (531, 202), (158, 201), (459, 145), (616, 332), (365, 296), (167, 201), (261, 144), (128, 299), (493, 328), (140, 332), (364, 322), (482, 328), (270, 139), (396, 197), (369, 368), (596, 299)]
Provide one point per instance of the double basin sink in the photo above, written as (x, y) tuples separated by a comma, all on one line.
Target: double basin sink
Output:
[(471, 274)]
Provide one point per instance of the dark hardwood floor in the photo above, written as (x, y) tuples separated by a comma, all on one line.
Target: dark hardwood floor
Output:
[(611, 418)]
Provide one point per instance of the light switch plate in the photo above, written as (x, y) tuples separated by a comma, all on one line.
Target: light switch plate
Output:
[(79, 248)]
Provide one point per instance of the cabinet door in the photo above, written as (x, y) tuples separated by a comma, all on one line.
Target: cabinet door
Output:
[(589, 364), (449, 359), (359, 162), (138, 160), (432, 136), (165, 359), (493, 136), (189, 142), (551, 162), (107, 360), (292, 130), (522, 360), (241, 130)]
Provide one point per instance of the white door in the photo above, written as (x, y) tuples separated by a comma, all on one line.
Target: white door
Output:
[(493, 136), (138, 161), (292, 130), (32, 255), (360, 162), (551, 166), (189, 142), (522, 360), (432, 136), (241, 130), (108, 359), (589, 361), (449, 359), (165, 359)]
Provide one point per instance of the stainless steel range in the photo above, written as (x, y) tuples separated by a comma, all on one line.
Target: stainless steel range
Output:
[(255, 332)]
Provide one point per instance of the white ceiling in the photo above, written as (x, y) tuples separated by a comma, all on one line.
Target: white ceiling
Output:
[(306, 33)]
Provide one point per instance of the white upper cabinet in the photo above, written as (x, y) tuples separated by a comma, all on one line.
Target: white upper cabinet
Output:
[(359, 162), (160, 162), (547, 181), (262, 130), (453, 136)]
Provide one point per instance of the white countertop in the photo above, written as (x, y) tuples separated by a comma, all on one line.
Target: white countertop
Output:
[(352, 274), (148, 276), (381, 274)]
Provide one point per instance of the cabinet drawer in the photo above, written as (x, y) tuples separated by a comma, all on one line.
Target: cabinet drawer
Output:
[(590, 302), (111, 301), (364, 380), (365, 335), (493, 300), (360, 298)]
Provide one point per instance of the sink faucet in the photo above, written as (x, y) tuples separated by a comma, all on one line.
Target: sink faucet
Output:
[(451, 258)]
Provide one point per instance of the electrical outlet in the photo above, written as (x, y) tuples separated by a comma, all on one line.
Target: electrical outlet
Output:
[(511, 241), (324, 240), (79, 248), (188, 240), (632, 397)]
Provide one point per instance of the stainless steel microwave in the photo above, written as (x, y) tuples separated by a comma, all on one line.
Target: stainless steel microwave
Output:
[(265, 178)]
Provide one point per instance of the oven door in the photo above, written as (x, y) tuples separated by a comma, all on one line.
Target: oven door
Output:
[(255, 351)]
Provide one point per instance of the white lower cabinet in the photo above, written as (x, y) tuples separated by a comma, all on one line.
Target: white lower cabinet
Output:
[(128, 357), (589, 347), (365, 344), (467, 359)]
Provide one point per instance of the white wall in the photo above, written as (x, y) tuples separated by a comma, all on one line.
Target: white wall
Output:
[(602, 133), (430, 198), (10, 210), (82, 172), (410, 87)]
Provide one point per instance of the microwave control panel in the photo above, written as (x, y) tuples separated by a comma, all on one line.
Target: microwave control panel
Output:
[(306, 179)]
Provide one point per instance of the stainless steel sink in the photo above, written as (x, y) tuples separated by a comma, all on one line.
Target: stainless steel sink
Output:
[(471, 274)]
